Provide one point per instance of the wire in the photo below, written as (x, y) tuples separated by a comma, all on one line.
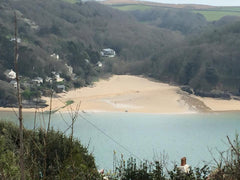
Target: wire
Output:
[(111, 138), (108, 136)]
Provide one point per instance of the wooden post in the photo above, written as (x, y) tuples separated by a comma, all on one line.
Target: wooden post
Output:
[(183, 161), (20, 116)]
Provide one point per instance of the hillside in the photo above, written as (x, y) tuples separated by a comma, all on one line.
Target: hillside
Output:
[(76, 32), (61, 44), (148, 3), (182, 20), (211, 13), (207, 62)]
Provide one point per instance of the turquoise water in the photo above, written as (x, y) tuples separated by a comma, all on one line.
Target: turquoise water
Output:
[(145, 135)]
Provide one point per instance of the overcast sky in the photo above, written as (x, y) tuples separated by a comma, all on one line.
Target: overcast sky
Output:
[(207, 2)]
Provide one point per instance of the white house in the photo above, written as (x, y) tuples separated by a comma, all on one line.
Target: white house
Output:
[(10, 74), (38, 80), (86, 60), (99, 64), (56, 56), (60, 88), (58, 78), (18, 40), (13, 83), (108, 52), (48, 79), (70, 69)]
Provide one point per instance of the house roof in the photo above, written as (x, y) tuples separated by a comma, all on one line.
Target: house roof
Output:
[(107, 49), (61, 86), (13, 82)]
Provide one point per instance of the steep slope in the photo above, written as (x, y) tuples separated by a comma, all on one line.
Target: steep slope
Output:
[(207, 62), (53, 23), (182, 20), (76, 32)]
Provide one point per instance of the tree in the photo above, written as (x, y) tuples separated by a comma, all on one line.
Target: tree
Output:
[(211, 75), (9, 168), (20, 116)]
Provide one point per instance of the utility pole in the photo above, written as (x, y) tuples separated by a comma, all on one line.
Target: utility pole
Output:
[(20, 116)]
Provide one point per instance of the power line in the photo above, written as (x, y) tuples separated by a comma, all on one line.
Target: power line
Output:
[(111, 138)]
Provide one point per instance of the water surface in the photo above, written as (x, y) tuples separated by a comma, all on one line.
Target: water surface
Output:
[(145, 135)]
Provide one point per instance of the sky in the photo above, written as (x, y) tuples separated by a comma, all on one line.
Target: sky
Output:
[(206, 2)]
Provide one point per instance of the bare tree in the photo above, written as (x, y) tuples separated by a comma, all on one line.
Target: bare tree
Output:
[(20, 116)]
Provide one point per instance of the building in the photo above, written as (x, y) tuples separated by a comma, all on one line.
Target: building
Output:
[(108, 52), (13, 83), (58, 78), (70, 69), (10, 74), (55, 56), (48, 79), (18, 40), (37, 80), (99, 64), (60, 88), (185, 168), (86, 60)]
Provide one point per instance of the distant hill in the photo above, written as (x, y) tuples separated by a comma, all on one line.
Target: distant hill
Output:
[(182, 20), (148, 3), (211, 13), (207, 59), (207, 62)]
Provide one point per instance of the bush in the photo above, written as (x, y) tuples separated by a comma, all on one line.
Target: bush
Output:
[(65, 158), (227, 168)]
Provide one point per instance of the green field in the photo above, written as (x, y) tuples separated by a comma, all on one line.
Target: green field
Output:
[(212, 14), (132, 7), (217, 13), (227, 9)]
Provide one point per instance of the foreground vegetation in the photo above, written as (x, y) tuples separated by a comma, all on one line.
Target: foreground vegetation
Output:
[(53, 155), (47, 156), (227, 167)]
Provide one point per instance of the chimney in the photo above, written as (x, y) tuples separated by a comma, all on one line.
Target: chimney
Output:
[(183, 161)]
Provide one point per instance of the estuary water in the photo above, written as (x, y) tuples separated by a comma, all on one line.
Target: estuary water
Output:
[(145, 136)]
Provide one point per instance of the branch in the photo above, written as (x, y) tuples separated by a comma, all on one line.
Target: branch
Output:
[(235, 150)]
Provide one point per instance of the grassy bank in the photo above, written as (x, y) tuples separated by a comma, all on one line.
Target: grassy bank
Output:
[(216, 14)]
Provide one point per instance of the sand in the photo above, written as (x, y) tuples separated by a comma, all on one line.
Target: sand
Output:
[(221, 104), (125, 93)]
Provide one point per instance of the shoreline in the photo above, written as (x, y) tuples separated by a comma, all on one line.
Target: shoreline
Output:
[(8, 110), (30, 110), (134, 94)]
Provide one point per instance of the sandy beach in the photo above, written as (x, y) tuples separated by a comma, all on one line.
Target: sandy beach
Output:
[(125, 93)]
